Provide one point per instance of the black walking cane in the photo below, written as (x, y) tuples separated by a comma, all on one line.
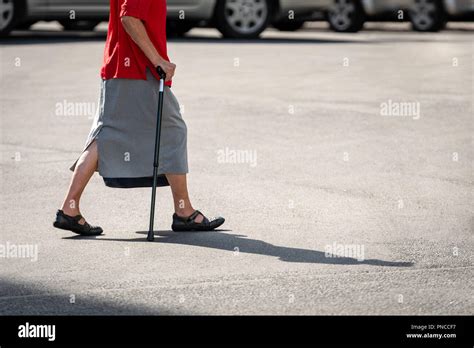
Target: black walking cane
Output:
[(151, 235)]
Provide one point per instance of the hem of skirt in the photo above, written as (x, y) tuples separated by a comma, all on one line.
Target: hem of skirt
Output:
[(127, 183), (133, 182)]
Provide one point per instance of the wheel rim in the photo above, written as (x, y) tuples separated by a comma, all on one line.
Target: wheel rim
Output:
[(423, 13), (342, 14), (6, 13), (246, 16)]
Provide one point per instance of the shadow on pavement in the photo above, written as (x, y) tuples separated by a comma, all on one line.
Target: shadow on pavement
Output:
[(48, 36), (58, 37), (265, 40), (51, 37), (226, 241), (22, 298)]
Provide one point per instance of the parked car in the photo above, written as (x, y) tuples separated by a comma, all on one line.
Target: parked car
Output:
[(425, 15), (233, 18), (242, 19)]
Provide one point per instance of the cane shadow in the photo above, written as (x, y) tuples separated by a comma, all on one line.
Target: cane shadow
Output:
[(230, 242)]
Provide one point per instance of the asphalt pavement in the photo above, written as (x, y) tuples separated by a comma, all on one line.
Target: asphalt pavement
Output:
[(343, 164)]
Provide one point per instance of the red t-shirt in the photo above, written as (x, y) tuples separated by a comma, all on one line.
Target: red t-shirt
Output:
[(123, 59)]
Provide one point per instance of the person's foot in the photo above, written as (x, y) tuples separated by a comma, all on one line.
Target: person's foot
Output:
[(195, 222), (76, 224)]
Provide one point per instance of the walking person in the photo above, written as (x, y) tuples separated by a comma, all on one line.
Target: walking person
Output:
[(120, 145)]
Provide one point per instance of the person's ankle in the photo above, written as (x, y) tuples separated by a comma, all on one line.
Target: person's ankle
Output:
[(184, 213), (70, 212)]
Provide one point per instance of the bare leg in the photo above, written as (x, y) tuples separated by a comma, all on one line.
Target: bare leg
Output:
[(182, 203), (85, 168)]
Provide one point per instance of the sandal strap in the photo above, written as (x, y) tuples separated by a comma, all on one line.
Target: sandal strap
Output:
[(77, 218), (73, 222), (194, 215)]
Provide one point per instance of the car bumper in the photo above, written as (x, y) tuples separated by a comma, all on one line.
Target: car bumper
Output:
[(304, 6), (452, 7), (458, 7), (190, 9), (375, 7)]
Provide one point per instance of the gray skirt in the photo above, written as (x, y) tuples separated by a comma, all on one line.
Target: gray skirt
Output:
[(125, 126)]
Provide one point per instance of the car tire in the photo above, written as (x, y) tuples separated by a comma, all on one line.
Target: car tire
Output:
[(288, 25), (24, 25), (75, 25), (178, 29), (237, 21), (8, 16), (427, 15), (346, 16)]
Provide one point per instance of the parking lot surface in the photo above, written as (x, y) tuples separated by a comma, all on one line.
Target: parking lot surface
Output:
[(342, 163)]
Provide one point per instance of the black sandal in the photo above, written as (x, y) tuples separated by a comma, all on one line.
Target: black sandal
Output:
[(188, 224), (71, 223)]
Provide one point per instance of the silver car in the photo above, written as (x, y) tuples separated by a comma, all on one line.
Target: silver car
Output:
[(425, 15), (233, 18)]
